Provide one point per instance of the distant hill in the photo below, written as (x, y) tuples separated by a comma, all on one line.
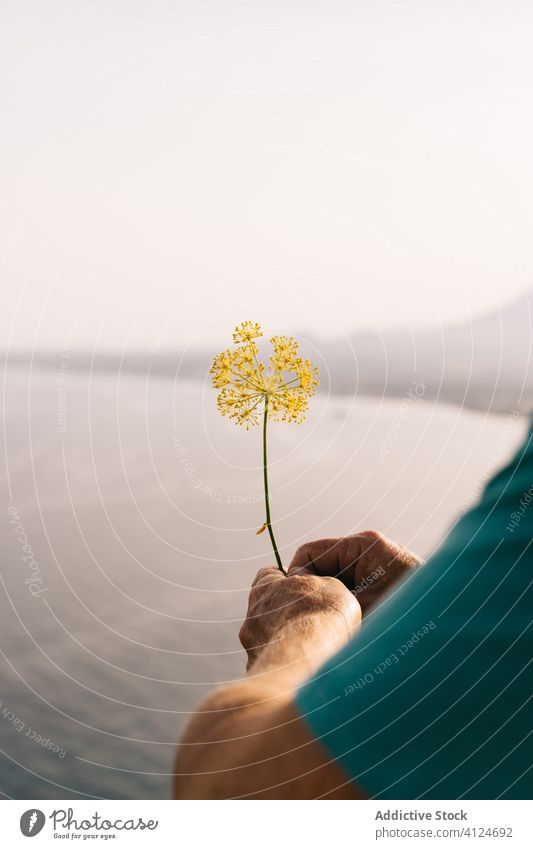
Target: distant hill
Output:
[(486, 364)]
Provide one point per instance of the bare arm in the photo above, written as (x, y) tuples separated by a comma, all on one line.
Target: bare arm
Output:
[(247, 740)]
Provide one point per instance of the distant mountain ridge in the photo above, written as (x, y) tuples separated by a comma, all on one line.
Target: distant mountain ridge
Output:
[(486, 364)]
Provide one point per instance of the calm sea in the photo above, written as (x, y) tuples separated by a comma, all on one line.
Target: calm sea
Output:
[(129, 511)]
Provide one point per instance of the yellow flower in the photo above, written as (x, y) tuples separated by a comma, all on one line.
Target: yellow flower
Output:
[(285, 353), (247, 331), (308, 374), (248, 388), (251, 392)]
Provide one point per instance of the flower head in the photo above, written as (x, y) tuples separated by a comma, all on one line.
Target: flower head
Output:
[(247, 331), (248, 387)]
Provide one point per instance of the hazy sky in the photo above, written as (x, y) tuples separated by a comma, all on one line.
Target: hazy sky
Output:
[(170, 168)]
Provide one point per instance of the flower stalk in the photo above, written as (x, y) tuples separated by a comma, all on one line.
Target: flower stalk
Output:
[(267, 495), (251, 391)]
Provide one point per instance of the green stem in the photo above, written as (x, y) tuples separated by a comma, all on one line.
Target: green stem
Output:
[(267, 499)]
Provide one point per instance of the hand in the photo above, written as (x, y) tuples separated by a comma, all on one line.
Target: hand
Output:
[(368, 564), (305, 607)]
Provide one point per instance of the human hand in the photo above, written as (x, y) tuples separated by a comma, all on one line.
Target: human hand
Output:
[(367, 563), (284, 612)]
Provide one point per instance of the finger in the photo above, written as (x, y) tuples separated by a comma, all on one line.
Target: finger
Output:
[(266, 575), (320, 557)]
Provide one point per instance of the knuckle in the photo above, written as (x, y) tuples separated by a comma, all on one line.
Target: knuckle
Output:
[(256, 591), (299, 583), (303, 550), (329, 581), (372, 535), (263, 573)]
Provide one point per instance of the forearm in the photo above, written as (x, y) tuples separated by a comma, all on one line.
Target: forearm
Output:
[(245, 739)]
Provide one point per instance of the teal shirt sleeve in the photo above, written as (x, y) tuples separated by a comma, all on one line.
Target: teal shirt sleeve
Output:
[(433, 698)]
